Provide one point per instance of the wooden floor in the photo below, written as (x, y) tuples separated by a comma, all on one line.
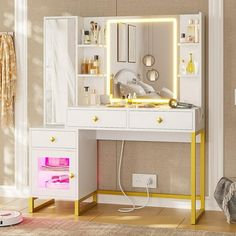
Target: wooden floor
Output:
[(149, 216)]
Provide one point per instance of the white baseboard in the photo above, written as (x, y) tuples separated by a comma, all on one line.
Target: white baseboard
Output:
[(12, 191), (156, 202)]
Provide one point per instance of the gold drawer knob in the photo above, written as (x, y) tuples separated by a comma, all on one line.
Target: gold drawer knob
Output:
[(52, 139), (71, 175), (95, 119), (159, 120)]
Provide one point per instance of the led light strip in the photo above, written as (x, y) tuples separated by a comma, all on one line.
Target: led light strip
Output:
[(144, 20)]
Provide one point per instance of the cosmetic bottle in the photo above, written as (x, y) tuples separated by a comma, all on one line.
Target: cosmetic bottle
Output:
[(86, 95), (190, 31), (96, 64), (190, 69), (183, 38), (93, 98), (196, 31), (182, 67), (82, 36), (87, 39), (90, 66), (84, 66)]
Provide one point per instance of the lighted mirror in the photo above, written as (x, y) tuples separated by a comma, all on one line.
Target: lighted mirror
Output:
[(150, 73)]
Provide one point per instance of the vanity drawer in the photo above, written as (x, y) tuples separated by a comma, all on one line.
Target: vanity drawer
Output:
[(161, 120), (96, 118), (53, 138)]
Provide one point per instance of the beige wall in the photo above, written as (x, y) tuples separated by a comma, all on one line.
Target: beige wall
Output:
[(229, 86), (171, 161), (6, 135)]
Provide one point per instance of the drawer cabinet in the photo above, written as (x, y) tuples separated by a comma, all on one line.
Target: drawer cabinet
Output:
[(53, 139), (161, 120), (97, 118), (63, 163)]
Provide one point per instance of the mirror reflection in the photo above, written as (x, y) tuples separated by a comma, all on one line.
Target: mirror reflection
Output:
[(146, 68)]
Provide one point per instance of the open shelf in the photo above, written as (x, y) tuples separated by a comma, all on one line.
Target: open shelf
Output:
[(91, 76), (91, 45), (189, 44), (189, 76)]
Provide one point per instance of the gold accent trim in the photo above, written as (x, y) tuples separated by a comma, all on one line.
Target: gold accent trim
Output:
[(95, 119), (80, 210), (52, 139), (71, 175), (159, 120), (31, 204), (144, 194)]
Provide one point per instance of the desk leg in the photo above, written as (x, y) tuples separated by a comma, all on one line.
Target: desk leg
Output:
[(202, 170), (193, 179)]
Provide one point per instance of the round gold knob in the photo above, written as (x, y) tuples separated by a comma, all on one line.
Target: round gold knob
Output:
[(52, 139), (95, 119), (159, 120), (71, 175)]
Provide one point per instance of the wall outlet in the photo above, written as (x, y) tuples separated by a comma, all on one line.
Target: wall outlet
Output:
[(140, 180)]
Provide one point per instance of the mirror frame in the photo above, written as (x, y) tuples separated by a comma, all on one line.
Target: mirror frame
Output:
[(131, 20)]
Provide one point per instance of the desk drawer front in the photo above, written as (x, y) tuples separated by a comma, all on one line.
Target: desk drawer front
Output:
[(51, 139), (161, 120), (97, 118)]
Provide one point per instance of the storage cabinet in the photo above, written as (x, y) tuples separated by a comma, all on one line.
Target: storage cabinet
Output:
[(63, 165)]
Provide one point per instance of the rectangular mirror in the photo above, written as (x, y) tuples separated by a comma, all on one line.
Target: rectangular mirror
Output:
[(59, 68), (150, 73)]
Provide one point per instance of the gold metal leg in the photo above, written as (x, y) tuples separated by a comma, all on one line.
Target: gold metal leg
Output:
[(195, 215), (32, 207), (77, 208), (202, 170), (80, 210), (193, 179)]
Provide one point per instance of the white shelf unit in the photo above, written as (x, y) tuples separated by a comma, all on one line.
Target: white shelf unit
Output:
[(91, 45), (88, 51), (191, 86), (91, 76), (189, 44)]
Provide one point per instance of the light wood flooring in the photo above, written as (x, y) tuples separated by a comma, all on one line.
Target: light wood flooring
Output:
[(106, 213)]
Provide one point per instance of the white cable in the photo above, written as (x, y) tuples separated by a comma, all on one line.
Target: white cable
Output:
[(126, 210)]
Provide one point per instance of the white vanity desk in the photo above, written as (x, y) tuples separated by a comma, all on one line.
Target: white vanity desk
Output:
[(148, 124), (63, 161)]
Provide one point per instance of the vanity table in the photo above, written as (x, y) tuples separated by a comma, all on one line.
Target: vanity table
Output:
[(63, 156)]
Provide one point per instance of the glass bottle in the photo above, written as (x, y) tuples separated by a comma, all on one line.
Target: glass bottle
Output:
[(190, 69), (90, 66), (87, 39), (196, 31), (86, 95), (96, 64), (182, 67), (84, 66), (191, 31)]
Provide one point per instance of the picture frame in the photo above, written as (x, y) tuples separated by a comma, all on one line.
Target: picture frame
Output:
[(121, 42), (131, 43)]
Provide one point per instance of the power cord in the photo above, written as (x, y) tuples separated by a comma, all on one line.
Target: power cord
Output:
[(130, 209)]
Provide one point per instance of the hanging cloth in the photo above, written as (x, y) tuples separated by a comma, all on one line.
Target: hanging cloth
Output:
[(7, 80)]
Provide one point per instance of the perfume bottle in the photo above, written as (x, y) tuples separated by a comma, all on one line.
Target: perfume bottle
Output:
[(84, 66), (86, 95), (191, 31), (182, 67), (87, 39), (196, 31), (96, 64), (190, 69), (93, 98)]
